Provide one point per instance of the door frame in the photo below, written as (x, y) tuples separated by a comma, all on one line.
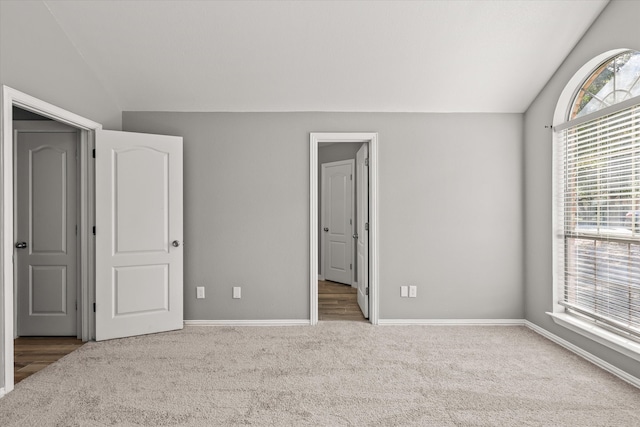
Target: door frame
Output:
[(371, 138), (10, 98), (323, 240)]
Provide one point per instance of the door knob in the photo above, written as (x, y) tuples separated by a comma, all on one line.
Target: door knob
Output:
[(21, 245), (355, 236), (175, 243), (326, 229)]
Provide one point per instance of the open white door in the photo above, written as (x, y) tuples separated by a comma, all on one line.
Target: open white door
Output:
[(362, 235), (139, 255)]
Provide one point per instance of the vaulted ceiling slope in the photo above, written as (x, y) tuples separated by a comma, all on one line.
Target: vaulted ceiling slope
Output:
[(409, 56)]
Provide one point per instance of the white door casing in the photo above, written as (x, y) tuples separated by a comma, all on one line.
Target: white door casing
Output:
[(45, 224), (362, 221), (139, 271), (315, 139), (337, 219)]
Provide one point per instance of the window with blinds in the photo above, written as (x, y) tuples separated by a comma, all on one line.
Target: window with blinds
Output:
[(599, 217)]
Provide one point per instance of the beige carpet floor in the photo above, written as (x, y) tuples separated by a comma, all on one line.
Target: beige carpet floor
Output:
[(335, 374)]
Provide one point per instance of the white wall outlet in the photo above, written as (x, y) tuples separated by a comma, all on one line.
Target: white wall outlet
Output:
[(237, 292), (413, 291), (200, 292), (404, 291)]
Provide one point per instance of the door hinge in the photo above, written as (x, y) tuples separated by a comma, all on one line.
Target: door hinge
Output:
[(93, 153), (366, 291), (350, 221), (366, 226), (351, 177), (94, 230), (94, 307), (76, 305), (76, 229), (366, 161), (350, 266)]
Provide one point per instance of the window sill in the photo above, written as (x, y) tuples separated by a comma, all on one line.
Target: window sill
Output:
[(600, 335)]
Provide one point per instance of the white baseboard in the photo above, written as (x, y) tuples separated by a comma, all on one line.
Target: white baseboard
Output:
[(585, 354), (444, 322), (269, 322), (2, 393), (321, 277)]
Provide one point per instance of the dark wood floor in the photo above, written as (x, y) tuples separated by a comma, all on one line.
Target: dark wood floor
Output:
[(338, 302), (32, 354)]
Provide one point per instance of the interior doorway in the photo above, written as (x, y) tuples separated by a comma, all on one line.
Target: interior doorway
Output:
[(365, 277), (12, 100), (46, 260)]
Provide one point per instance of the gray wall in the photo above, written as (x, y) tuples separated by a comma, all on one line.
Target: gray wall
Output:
[(450, 210), (617, 27), (37, 58)]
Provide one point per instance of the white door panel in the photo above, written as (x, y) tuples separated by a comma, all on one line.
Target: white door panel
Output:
[(46, 220), (139, 271), (337, 190), (142, 180), (362, 241)]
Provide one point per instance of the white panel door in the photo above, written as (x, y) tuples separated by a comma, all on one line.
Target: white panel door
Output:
[(337, 219), (139, 253), (362, 235), (46, 252)]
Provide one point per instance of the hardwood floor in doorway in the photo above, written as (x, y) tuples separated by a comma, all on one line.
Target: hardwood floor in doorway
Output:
[(338, 302), (32, 354)]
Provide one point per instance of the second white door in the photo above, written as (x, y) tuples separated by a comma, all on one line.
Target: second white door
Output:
[(337, 221), (45, 247)]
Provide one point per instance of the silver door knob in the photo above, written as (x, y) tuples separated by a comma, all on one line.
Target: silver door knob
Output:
[(175, 243), (21, 245), (326, 229), (355, 236)]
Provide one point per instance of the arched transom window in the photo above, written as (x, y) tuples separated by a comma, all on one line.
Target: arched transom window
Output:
[(613, 82)]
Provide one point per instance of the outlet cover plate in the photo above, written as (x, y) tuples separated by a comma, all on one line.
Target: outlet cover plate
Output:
[(404, 291), (413, 291), (200, 292), (237, 292)]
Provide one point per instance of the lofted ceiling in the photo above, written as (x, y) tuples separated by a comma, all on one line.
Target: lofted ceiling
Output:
[(387, 56)]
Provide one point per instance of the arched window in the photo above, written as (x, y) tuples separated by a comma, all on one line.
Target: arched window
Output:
[(617, 80), (597, 208)]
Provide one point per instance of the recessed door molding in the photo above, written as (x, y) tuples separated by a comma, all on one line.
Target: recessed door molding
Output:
[(316, 138)]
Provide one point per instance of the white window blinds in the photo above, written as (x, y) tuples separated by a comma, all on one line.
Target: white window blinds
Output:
[(599, 219)]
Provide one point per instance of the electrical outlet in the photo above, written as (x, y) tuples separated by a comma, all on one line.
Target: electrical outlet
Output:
[(237, 292), (404, 291), (200, 292), (413, 291)]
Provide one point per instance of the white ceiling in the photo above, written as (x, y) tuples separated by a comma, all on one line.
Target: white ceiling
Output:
[(409, 56)]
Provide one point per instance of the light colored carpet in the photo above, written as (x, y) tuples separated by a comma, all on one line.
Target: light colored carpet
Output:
[(335, 374)]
